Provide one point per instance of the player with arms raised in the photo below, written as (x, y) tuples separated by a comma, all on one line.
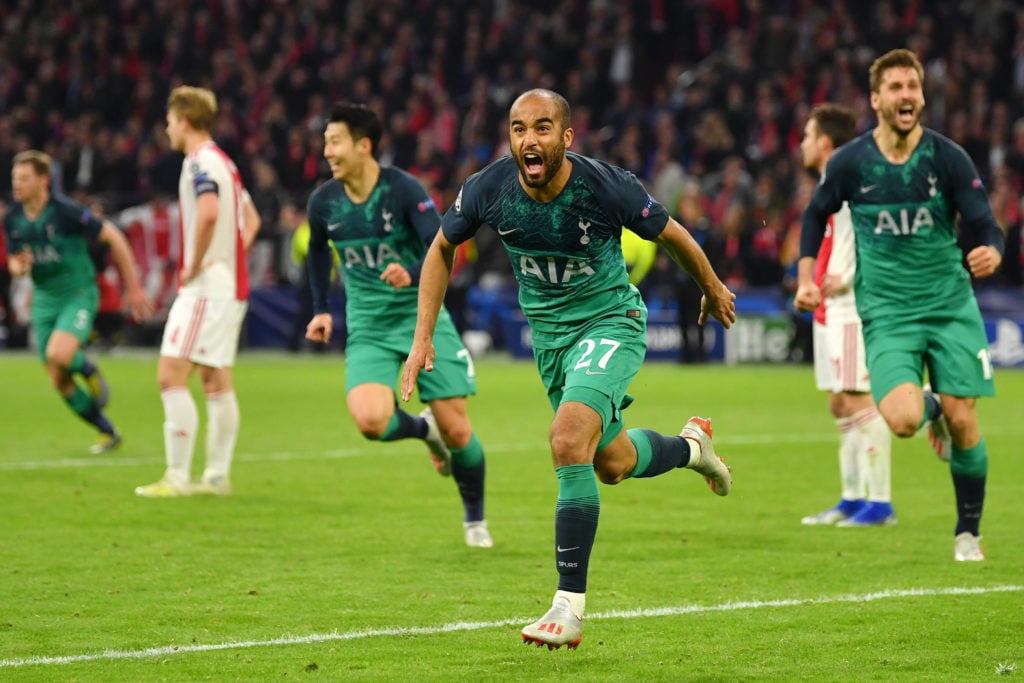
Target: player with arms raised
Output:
[(560, 216), (905, 185)]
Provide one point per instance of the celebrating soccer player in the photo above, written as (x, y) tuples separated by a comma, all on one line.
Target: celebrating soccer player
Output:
[(905, 184), (380, 220), (865, 444), (560, 217), (48, 236)]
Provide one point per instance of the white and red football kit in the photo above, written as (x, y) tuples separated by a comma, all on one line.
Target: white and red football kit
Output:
[(206, 318), (839, 356)]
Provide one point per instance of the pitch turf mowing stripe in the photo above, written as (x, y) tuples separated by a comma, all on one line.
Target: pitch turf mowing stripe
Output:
[(168, 650), (376, 452), (762, 440)]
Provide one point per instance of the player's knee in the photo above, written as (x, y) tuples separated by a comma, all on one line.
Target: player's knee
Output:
[(903, 426), (568, 449), (57, 362), (371, 427), (609, 474), (59, 377), (836, 405), (457, 434), (960, 416)]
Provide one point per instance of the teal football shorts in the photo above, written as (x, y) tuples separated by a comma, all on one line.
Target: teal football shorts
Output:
[(596, 367), (379, 360), (72, 313), (951, 344)]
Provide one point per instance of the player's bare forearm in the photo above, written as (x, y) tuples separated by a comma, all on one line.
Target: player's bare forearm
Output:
[(251, 222), (437, 268), (138, 302), (685, 251), (718, 301)]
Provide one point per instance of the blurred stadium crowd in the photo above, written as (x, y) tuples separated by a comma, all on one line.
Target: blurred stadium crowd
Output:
[(704, 100)]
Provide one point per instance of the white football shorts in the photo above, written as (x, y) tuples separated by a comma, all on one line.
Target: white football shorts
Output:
[(204, 331), (839, 358)]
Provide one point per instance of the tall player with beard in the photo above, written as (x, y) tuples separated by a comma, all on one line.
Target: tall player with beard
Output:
[(905, 185), (560, 216), (865, 444), (218, 224), (380, 220)]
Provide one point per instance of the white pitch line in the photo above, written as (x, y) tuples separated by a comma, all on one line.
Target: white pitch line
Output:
[(369, 450), (641, 613), (376, 451)]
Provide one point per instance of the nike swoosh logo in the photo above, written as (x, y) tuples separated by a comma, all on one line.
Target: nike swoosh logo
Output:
[(864, 189), (590, 372), (333, 226), (565, 550), (505, 232)]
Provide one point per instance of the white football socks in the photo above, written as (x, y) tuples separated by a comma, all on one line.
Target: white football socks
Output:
[(223, 420), (876, 454), (181, 421), (850, 473)]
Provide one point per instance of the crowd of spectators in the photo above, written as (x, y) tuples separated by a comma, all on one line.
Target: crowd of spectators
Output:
[(704, 100)]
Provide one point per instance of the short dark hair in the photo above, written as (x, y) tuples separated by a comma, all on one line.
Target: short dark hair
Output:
[(362, 122), (894, 59), (836, 121)]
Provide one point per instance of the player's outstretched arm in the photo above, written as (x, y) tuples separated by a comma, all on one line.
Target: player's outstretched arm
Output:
[(718, 301), (437, 269), (138, 303)]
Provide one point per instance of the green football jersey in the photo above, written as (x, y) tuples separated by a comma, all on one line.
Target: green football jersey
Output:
[(59, 239), (904, 219), (567, 253), (396, 224)]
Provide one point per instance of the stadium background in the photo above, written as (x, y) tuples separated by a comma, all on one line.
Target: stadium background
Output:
[(702, 99)]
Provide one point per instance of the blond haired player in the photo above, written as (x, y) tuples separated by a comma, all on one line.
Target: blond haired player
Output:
[(218, 223)]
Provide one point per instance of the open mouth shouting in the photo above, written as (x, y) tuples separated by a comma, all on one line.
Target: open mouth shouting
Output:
[(533, 165), (906, 114)]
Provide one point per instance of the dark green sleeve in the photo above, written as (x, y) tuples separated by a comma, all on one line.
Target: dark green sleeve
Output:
[(827, 199), (422, 214), (972, 201), (79, 219), (319, 260)]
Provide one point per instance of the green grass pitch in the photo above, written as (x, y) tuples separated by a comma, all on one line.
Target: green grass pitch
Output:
[(343, 560)]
